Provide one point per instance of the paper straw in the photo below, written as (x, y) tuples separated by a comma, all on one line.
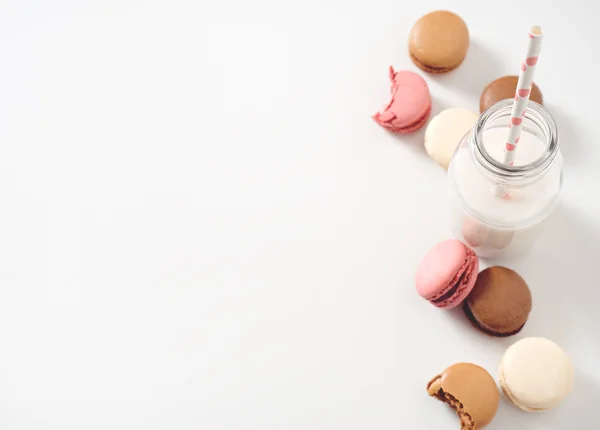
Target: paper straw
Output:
[(522, 94)]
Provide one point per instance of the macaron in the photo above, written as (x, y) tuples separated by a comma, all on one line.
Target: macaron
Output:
[(447, 274), (445, 131), (536, 374), (438, 42), (470, 390), (499, 303), (410, 105), (505, 88)]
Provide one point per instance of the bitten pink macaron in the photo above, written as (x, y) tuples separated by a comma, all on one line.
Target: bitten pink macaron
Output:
[(410, 106), (447, 274)]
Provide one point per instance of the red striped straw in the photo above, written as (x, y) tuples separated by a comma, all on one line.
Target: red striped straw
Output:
[(522, 94)]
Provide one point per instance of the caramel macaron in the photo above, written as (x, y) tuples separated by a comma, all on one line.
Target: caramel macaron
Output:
[(470, 390), (500, 302), (439, 42), (505, 88)]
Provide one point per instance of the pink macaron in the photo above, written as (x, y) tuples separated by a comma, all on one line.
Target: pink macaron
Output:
[(410, 106), (447, 274)]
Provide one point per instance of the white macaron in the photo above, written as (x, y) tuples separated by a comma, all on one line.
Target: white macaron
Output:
[(444, 132), (536, 374)]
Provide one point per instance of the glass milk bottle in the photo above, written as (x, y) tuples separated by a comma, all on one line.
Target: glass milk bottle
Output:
[(498, 209)]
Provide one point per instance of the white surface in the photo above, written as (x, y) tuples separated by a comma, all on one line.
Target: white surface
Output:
[(202, 228)]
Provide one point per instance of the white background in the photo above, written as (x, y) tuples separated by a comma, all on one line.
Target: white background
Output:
[(202, 228)]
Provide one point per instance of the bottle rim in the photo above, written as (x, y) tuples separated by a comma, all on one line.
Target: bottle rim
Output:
[(536, 116)]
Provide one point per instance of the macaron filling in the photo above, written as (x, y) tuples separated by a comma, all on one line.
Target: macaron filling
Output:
[(452, 290), (510, 396), (390, 121), (461, 281), (432, 69), (435, 390), (417, 124), (484, 328)]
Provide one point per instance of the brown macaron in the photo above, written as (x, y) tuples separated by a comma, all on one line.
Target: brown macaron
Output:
[(470, 390), (439, 42), (500, 302), (505, 88)]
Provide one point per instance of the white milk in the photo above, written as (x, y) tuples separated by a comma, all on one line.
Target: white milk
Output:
[(530, 146), (495, 226)]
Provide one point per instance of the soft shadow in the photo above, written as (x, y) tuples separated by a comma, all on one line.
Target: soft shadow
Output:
[(560, 270), (413, 141), (472, 76), (572, 142), (492, 344), (578, 411), (437, 105)]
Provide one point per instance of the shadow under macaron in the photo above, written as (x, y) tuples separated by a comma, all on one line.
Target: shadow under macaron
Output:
[(560, 270), (564, 258), (479, 68), (494, 343), (571, 139), (578, 411)]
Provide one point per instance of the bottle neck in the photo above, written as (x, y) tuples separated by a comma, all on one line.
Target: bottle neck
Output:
[(537, 121)]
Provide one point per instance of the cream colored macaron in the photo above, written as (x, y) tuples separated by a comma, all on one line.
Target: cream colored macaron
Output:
[(444, 132), (536, 374)]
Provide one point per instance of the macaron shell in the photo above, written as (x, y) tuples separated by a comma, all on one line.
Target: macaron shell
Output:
[(467, 282), (506, 391), (440, 267), (429, 69), (439, 41), (447, 274), (416, 126), (388, 120), (505, 88), (537, 373), (500, 302), (410, 105), (445, 131), (473, 387)]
